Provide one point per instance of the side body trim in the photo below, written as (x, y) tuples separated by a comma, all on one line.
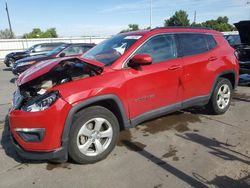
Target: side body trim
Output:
[(196, 101)]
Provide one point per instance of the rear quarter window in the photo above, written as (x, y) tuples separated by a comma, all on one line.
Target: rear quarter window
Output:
[(191, 44), (211, 42)]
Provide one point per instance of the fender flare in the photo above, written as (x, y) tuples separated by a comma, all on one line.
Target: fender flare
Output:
[(74, 109), (220, 75)]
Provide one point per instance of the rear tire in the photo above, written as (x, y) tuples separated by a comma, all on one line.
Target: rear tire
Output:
[(93, 135), (221, 97)]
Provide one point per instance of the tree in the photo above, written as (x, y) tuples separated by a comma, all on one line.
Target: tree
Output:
[(38, 33), (220, 24), (50, 33), (35, 33), (131, 27), (180, 18), (6, 34)]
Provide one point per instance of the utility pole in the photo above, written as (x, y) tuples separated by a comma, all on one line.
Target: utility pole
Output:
[(194, 16), (248, 3), (9, 19), (150, 14)]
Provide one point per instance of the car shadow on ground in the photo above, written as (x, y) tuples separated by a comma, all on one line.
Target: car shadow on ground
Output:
[(13, 80), (219, 149), (223, 151), (164, 165), (225, 181), (196, 180), (8, 146), (6, 69), (199, 110)]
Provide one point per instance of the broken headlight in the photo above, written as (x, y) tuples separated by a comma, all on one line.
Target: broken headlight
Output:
[(41, 102)]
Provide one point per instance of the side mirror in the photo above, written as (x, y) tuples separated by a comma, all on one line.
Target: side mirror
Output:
[(140, 59), (62, 54)]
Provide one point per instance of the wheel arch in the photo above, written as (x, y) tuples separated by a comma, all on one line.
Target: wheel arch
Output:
[(110, 101), (228, 74), (231, 76)]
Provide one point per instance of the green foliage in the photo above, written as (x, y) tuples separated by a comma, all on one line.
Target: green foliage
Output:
[(38, 33), (196, 25), (220, 24), (6, 34), (180, 18), (131, 27)]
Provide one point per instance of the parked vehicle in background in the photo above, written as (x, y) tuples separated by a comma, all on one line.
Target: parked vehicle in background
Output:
[(240, 41), (121, 82), (37, 49), (64, 50), (233, 39), (244, 48)]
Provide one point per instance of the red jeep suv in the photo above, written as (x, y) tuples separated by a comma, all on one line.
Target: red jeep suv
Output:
[(76, 106)]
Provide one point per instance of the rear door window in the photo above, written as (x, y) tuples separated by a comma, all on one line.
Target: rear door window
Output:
[(160, 48), (191, 44)]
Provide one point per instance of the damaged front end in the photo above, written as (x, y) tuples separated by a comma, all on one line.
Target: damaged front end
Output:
[(38, 94), (37, 116), (243, 49)]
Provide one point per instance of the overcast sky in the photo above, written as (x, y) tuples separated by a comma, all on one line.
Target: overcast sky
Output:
[(106, 17)]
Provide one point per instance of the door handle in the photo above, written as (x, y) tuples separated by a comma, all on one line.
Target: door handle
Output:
[(212, 58), (174, 67)]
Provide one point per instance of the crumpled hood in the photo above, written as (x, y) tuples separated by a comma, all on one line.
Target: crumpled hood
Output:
[(44, 67), (244, 30)]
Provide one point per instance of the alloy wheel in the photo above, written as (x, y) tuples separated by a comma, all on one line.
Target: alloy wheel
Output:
[(94, 136), (223, 96)]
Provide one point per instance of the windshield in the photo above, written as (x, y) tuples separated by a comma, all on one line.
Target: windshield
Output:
[(56, 50), (32, 47), (110, 50), (233, 39)]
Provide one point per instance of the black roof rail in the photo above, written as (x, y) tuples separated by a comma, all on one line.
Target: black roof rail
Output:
[(181, 27)]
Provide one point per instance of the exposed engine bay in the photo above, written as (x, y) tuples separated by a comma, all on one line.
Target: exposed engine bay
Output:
[(66, 71), (243, 49), (243, 52)]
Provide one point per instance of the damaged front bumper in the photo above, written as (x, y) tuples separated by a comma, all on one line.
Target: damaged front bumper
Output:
[(59, 155), (37, 135)]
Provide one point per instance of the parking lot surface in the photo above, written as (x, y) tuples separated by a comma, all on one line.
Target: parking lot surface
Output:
[(185, 149)]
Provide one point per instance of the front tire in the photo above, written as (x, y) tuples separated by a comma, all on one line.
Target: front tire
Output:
[(11, 62), (221, 97), (93, 135)]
